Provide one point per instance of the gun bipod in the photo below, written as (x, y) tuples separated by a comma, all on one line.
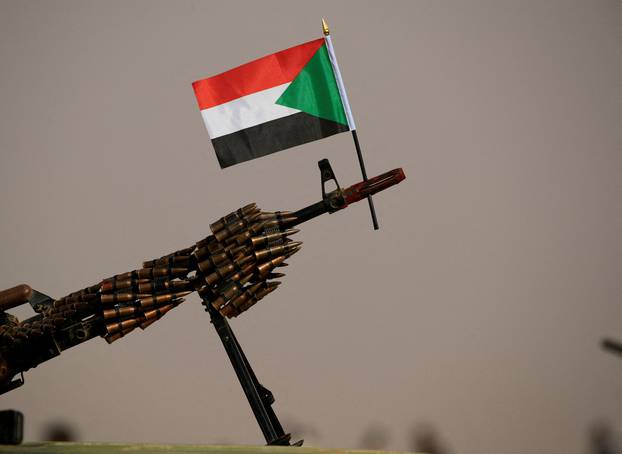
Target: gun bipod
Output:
[(259, 397)]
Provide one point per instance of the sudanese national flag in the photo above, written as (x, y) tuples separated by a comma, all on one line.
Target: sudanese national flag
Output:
[(272, 103)]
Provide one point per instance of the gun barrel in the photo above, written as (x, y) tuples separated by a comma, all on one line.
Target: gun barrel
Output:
[(341, 198), (363, 189)]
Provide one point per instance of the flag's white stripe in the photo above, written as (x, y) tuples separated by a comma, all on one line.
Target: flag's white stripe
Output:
[(247, 111)]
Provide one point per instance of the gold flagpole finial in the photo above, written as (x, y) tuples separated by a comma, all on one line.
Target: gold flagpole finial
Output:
[(325, 28)]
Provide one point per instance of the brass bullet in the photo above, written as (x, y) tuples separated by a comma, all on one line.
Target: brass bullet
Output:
[(158, 313), (215, 260), (229, 290), (165, 258), (241, 274), (248, 298), (201, 253), (115, 284), (234, 249), (239, 239), (261, 293), (257, 227), (268, 287), (160, 285), (226, 271), (265, 268), (214, 247), (180, 260), (228, 311), (206, 265), (249, 208), (218, 259), (273, 224), (276, 250), (225, 256), (121, 312), (118, 298), (151, 273), (218, 302), (271, 237), (149, 301), (281, 223), (293, 250), (269, 215), (234, 228), (248, 293), (122, 325), (223, 221), (231, 219), (242, 256), (220, 273), (233, 288), (122, 276), (209, 247), (243, 260), (245, 235), (111, 338), (246, 210)]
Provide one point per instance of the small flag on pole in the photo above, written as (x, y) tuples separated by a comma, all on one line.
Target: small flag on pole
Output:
[(275, 102)]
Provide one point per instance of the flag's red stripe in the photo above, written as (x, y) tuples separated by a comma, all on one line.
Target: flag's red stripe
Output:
[(260, 74)]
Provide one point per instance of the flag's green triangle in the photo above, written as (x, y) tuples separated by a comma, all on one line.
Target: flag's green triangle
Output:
[(314, 90)]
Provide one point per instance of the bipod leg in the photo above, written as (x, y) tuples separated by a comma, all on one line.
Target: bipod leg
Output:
[(259, 398)]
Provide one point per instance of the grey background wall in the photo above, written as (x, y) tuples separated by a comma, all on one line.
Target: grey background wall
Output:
[(478, 306)]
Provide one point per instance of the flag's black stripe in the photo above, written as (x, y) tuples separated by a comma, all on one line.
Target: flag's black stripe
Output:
[(272, 136)]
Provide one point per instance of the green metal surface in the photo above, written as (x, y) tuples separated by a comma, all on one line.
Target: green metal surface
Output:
[(118, 448)]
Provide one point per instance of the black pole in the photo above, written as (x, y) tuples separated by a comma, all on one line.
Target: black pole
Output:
[(372, 210)]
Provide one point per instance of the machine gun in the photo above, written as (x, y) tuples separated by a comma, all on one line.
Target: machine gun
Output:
[(231, 269)]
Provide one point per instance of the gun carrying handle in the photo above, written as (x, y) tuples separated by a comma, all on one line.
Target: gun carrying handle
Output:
[(14, 296)]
